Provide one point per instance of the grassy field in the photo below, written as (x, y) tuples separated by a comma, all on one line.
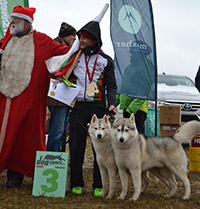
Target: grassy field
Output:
[(153, 198)]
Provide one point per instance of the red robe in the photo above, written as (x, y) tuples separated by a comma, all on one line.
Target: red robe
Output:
[(25, 128)]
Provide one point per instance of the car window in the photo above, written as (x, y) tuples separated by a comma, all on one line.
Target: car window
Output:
[(175, 80)]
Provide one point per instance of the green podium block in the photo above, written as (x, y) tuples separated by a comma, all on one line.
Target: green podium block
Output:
[(50, 176)]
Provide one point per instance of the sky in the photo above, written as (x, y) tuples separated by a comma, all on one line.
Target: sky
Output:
[(177, 28)]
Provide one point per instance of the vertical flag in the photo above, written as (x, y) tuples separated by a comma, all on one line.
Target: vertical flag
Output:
[(133, 39), (6, 7)]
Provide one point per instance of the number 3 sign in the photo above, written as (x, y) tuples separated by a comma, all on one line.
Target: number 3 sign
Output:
[(50, 177)]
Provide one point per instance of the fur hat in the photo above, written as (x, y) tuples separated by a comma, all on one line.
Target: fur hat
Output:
[(66, 30), (23, 12)]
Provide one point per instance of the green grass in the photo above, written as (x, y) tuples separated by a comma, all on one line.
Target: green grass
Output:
[(153, 198)]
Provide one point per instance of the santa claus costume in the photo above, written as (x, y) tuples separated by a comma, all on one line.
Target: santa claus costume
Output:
[(24, 86)]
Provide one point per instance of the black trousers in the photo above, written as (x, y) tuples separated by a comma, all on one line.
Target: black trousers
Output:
[(79, 118), (140, 118)]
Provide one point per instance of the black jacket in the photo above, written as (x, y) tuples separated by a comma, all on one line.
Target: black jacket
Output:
[(94, 29), (108, 85)]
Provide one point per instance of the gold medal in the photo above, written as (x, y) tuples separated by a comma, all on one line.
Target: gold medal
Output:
[(92, 89)]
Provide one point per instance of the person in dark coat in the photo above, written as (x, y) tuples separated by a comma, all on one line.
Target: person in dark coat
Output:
[(59, 112)]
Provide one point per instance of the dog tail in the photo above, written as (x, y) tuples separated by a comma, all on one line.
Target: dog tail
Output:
[(187, 131)]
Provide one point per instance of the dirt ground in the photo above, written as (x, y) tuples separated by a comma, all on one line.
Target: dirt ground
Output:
[(152, 198)]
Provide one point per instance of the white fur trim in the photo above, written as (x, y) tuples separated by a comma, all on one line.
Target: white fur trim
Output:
[(54, 63), (23, 16), (17, 65), (5, 122)]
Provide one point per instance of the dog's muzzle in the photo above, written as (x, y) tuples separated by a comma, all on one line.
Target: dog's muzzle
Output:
[(99, 136), (121, 139)]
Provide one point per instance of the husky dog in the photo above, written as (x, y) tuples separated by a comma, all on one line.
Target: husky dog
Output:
[(126, 144), (163, 156), (100, 133)]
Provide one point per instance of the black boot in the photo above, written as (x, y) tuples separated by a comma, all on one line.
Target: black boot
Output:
[(14, 179)]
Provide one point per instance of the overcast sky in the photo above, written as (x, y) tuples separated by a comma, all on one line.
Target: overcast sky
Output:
[(177, 26)]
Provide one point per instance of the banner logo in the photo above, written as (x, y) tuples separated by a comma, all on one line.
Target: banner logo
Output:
[(129, 19), (51, 160)]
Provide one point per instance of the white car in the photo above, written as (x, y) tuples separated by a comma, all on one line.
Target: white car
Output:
[(178, 90)]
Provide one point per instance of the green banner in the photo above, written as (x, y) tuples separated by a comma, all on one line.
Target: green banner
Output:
[(6, 7)]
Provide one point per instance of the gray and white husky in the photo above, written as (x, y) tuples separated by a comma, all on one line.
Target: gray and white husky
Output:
[(100, 133), (163, 156)]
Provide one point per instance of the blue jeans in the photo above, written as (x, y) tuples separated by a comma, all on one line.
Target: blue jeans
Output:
[(57, 127)]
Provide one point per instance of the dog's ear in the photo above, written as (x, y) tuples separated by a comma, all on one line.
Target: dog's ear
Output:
[(117, 116), (132, 118), (94, 118), (105, 118)]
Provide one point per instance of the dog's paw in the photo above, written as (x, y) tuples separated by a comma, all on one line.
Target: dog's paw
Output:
[(143, 189), (168, 196), (109, 196), (104, 193), (134, 197), (121, 197), (186, 197)]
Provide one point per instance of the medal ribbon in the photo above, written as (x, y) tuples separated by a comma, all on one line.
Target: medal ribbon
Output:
[(88, 72)]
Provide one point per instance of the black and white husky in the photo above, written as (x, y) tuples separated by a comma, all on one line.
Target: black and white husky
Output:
[(163, 156)]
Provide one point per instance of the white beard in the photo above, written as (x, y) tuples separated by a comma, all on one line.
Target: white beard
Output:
[(17, 28), (16, 66)]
